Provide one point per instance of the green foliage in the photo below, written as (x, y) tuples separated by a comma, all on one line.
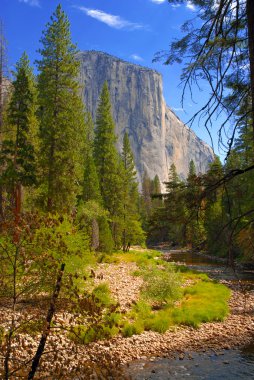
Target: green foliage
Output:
[(89, 215), (84, 335), (161, 285), (143, 258), (203, 302), (91, 186), (175, 208), (62, 125), (107, 258), (143, 309), (17, 155), (102, 319), (109, 167), (220, 61), (132, 229), (42, 244), (106, 241), (102, 295), (159, 322), (130, 329)]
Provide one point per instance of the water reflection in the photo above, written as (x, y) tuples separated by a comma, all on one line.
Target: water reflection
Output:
[(217, 270)]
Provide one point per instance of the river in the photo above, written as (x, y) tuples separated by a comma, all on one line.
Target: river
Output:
[(224, 364)]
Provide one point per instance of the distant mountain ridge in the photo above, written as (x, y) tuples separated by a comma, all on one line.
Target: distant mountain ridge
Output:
[(157, 136)]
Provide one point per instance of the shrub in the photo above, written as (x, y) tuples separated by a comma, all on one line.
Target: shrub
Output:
[(84, 335), (161, 285), (113, 319), (102, 295)]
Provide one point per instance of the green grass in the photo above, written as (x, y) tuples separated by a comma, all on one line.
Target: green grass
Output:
[(134, 328), (140, 257), (159, 321), (202, 302)]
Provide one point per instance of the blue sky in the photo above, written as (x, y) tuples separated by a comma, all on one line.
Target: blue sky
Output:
[(133, 30)]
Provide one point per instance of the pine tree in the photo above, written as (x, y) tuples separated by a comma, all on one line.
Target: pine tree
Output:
[(62, 129), (18, 155), (109, 167), (132, 230), (194, 212), (91, 186), (145, 199), (156, 186), (214, 215), (175, 210)]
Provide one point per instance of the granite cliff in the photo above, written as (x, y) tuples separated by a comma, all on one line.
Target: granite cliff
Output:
[(157, 136)]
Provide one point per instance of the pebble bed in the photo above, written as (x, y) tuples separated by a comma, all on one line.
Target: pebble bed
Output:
[(67, 360)]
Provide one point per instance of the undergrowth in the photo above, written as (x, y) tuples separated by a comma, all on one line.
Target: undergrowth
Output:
[(163, 302)]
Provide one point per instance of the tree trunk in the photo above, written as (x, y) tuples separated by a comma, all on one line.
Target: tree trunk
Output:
[(250, 23), (51, 312)]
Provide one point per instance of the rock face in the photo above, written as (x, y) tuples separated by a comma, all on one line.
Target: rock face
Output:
[(157, 136)]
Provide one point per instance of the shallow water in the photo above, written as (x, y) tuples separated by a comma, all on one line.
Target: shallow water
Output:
[(217, 270), (227, 365), (224, 364)]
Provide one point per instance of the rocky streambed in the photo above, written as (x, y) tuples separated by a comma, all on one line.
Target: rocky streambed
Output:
[(132, 357)]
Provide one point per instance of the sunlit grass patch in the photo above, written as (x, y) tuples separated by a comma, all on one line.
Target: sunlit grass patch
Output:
[(139, 257), (159, 321), (203, 302), (133, 328)]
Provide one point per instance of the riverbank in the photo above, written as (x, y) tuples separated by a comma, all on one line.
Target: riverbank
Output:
[(67, 358)]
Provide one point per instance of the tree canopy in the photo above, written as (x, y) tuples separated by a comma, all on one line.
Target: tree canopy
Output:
[(218, 48)]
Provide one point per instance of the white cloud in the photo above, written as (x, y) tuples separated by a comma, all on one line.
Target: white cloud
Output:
[(174, 6), (113, 21), (33, 3), (177, 109), (136, 57), (158, 1), (190, 6)]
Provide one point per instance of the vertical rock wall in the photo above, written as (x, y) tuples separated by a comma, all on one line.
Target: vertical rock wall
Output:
[(157, 136)]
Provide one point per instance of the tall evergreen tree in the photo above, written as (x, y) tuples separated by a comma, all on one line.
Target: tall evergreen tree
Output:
[(17, 154), (146, 199), (91, 186), (62, 129), (214, 215), (194, 212), (132, 230), (175, 210), (109, 167)]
